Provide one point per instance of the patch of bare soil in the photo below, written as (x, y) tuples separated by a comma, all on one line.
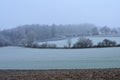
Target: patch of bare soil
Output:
[(75, 74)]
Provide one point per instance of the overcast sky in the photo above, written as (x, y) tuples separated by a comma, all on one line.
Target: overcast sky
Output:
[(19, 12)]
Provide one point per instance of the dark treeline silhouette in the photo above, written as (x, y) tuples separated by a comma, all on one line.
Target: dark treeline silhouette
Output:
[(28, 35), (87, 43), (81, 43)]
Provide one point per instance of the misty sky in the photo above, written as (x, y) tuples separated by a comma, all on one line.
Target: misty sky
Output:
[(19, 12)]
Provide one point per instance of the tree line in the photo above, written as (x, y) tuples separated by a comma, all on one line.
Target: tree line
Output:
[(27, 35), (87, 43), (81, 43)]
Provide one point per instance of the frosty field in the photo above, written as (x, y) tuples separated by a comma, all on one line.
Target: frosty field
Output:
[(26, 58)]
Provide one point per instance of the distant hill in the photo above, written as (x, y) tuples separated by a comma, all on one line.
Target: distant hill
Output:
[(35, 32)]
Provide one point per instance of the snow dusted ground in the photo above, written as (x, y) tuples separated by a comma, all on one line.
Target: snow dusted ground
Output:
[(28, 58), (62, 43)]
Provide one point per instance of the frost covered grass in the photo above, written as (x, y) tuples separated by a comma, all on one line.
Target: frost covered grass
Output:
[(28, 58)]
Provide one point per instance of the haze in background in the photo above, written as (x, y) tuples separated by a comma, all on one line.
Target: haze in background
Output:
[(19, 12)]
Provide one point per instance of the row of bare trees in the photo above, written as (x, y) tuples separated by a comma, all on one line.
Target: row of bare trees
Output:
[(87, 43), (81, 43)]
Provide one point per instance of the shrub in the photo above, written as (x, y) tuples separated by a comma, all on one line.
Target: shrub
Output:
[(83, 43), (107, 43), (46, 45), (51, 46)]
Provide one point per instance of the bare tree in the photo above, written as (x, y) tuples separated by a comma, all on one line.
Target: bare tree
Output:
[(114, 31), (69, 42), (107, 43), (30, 38), (105, 30), (83, 43), (95, 31)]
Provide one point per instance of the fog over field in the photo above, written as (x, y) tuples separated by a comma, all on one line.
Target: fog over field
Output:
[(99, 12)]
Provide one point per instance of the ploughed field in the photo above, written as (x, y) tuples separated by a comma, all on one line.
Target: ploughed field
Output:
[(42, 59), (77, 74)]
